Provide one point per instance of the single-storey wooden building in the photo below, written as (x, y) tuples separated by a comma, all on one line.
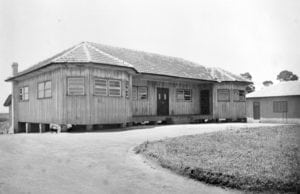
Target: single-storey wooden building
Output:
[(94, 84), (278, 103)]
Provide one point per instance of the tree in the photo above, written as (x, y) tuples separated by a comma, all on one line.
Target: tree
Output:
[(250, 88), (267, 83), (286, 76)]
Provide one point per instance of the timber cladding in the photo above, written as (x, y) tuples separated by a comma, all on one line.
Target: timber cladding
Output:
[(148, 107), (85, 108), (227, 107)]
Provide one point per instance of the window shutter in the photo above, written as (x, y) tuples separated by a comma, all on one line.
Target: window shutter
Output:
[(76, 86), (114, 88), (100, 87)]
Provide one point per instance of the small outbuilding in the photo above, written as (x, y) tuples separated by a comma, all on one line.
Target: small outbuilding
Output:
[(279, 103)]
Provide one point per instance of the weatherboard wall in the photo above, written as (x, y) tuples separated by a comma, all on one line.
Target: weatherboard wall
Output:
[(230, 109), (148, 107), (46, 110), (92, 109), (62, 108)]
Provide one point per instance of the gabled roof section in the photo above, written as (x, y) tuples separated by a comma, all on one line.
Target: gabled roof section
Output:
[(288, 88), (142, 62), (221, 75)]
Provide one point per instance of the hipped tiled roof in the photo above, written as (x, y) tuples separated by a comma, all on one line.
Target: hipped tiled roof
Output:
[(288, 88), (142, 62)]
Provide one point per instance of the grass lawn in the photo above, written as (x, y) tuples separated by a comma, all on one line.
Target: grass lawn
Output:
[(261, 159)]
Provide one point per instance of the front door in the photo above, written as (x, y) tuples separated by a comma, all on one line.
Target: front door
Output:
[(162, 101), (204, 102), (256, 110)]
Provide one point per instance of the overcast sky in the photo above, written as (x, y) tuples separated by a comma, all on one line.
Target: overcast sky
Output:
[(261, 37)]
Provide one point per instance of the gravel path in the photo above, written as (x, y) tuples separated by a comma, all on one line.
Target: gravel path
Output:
[(95, 162)]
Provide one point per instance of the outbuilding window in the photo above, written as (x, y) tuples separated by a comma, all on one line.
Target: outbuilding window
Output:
[(44, 89), (223, 95), (75, 86), (184, 95), (239, 95), (24, 93), (280, 106), (100, 87), (114, 87)]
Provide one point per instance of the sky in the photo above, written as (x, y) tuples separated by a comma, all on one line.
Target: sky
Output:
[(261, 37)]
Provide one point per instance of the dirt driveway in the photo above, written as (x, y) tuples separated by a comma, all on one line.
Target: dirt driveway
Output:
[(96, 162)]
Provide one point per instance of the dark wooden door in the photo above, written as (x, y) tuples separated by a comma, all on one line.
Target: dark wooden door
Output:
[(162, 101), (204, 102), (256, 110)]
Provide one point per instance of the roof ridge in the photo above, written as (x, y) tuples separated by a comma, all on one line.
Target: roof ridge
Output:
[(87, 53), (88, 44)]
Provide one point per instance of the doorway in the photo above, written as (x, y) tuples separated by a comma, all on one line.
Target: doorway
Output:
[(204, 102), (162, 101), (256, 110)]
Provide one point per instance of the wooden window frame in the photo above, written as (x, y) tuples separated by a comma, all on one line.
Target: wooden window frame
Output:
[(119, 88), (137, 93), (184, 95), (23, 94), (219, 95), (103, 79), (44, 90), (68, 92), (134, 97), (277, 105), (239, 92)]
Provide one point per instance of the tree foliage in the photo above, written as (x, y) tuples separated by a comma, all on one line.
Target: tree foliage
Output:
[(267, 83), (250, 88), (286, 76), (246, 75)]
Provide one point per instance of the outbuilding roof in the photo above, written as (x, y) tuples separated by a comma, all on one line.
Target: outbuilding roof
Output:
[(287, 88), (142, 62)]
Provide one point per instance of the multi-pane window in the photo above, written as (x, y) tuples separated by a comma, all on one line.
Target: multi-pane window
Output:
[(142, 93), (114, 87), (183, 94), (280, 106), (239, 95), (75, 86), (100, 87), (223, 95), (44, 89), (139, 93), (127, 89), (23, 95)]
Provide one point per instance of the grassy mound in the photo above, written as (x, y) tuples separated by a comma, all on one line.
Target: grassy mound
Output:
[(260, 159)]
